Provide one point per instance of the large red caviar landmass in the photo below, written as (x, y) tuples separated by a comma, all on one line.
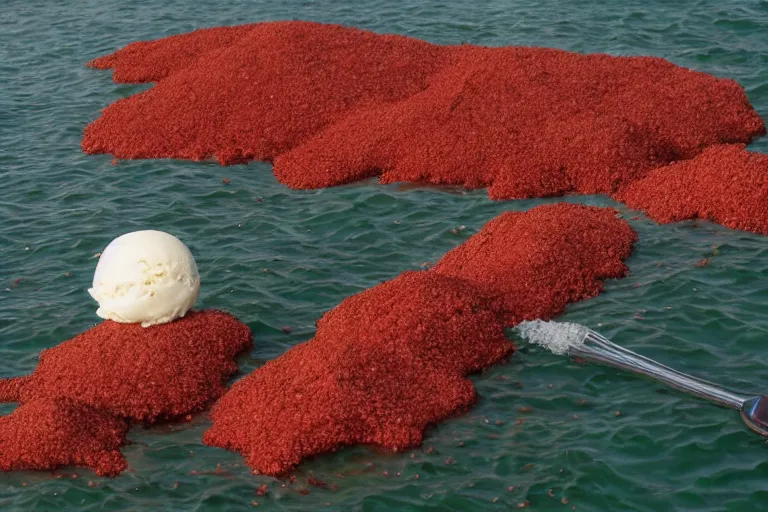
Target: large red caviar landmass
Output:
[(725, 184), (338, 104), (329, 105), (392, 360), (77, 404)]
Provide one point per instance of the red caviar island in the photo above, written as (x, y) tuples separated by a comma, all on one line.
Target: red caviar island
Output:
[(46, 434), (388, 362), (726, 184), (76, 407), (330, 105)]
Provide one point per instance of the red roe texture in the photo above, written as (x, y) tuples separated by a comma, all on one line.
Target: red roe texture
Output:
[(330, 105), (46, 434), (111, 374), (252, 92), (143, 374), (388, 362), (384, 364), (534, 263), (725, 184)]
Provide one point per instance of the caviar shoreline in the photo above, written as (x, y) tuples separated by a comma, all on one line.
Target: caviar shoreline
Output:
[(330, 105)]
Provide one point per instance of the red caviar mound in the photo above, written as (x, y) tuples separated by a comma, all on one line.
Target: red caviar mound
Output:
[(534, 263), (77, 404), (384, 364), (47, 434), (392, 360), (330, 105), (726, 184), (143, 374)]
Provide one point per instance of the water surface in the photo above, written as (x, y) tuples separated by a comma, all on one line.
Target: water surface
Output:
[(593, 437)]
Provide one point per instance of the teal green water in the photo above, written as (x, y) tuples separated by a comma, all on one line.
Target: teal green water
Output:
[(276, 257)]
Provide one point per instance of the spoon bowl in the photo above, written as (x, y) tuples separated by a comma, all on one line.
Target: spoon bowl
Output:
[(754, 412)]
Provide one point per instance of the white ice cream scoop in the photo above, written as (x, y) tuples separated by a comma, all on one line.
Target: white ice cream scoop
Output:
[(147, 277)]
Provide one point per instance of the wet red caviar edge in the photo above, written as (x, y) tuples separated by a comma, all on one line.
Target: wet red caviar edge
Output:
[(329, 105), (725, 184), (77, 406), (389, 362)]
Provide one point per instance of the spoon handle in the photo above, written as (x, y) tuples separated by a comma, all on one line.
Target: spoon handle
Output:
[(599, 349)]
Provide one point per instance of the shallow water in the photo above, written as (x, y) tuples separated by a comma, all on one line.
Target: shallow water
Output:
[(276, 257)]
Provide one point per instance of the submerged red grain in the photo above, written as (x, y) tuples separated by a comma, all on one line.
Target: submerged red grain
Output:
[(47, 434), (331, 105)]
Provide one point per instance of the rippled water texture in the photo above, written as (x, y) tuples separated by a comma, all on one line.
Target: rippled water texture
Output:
[(276, 257)]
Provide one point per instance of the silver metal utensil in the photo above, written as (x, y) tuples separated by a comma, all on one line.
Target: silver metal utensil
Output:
[(584, 343)]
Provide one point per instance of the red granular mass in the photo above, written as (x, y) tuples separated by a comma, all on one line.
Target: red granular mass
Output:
[(330, 105), (534, 263), (726, 184), (49, 433), (111, 374), (388, 362), (383, 365), (143, 374)]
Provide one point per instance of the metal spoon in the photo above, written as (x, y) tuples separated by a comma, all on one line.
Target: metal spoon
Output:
[(597, 348)]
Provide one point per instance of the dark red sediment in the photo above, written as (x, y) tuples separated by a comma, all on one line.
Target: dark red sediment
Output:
[(384, 364), (725, 184), (392, 360), (143, 374), (329, 105), (113, 374)]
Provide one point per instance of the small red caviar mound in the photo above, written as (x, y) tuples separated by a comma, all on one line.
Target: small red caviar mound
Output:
[(384, 364), (726, 184), (536, 262), (76, 403), (47, 434), (388, 362), (330, 105), (143, 374)]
